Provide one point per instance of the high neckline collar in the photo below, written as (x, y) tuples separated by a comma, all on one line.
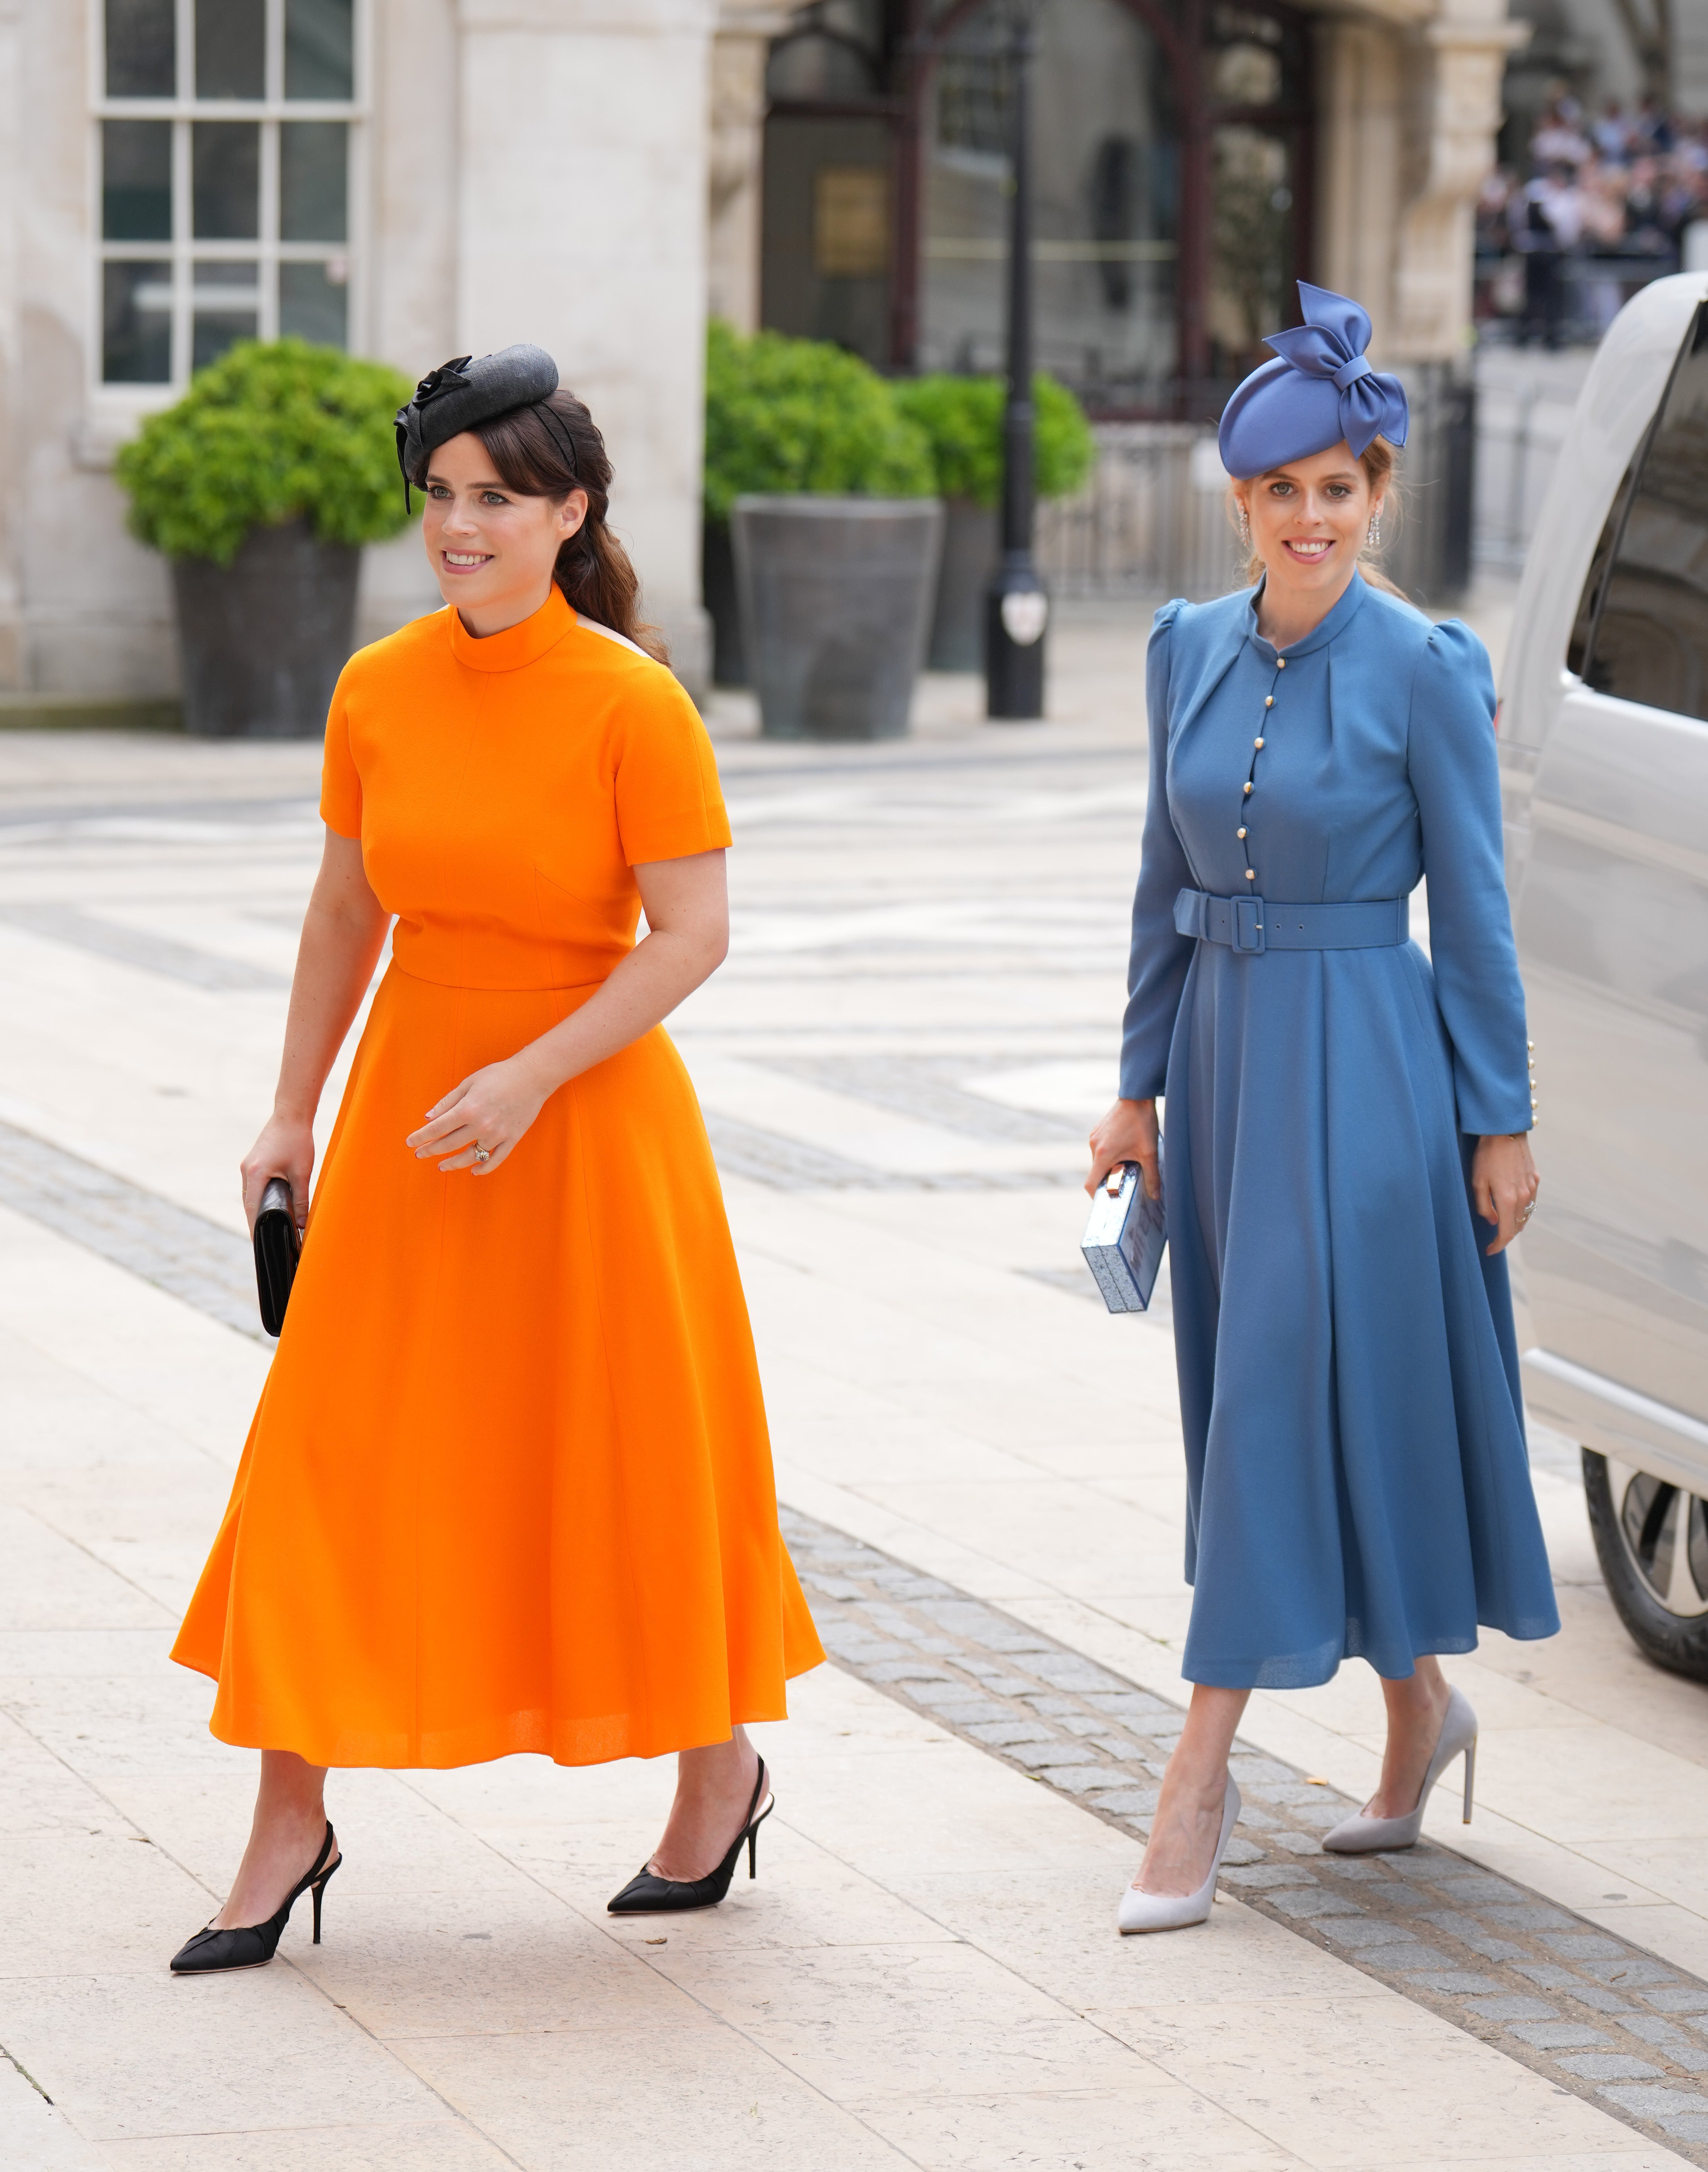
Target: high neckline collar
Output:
[(1336, 622), (522, 643)]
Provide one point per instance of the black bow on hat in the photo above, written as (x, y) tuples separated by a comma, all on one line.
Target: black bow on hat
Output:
[(446, 377)]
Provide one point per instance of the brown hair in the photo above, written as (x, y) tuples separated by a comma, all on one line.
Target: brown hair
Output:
[(592, 568), (1381, 472)]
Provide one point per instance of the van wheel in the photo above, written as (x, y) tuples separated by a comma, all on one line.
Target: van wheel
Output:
[(1653, 1539)]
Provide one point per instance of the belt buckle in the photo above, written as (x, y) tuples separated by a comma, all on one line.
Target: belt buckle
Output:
[(1246, 931)]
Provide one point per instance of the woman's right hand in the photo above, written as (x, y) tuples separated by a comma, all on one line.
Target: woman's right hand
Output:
[(286, 1148), (1127, 1133)]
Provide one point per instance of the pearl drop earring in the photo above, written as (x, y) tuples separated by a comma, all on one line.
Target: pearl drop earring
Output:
[(1244, 521), (1373, 534)]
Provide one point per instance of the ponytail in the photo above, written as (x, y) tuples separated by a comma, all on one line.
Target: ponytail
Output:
[(548, 454), (599, 581)]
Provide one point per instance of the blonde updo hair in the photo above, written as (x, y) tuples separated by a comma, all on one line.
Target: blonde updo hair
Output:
[(1381, 467)]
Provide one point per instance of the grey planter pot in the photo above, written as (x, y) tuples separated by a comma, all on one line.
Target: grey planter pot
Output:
[(969, 557), (264, 639), (837, 597), (718, 594)]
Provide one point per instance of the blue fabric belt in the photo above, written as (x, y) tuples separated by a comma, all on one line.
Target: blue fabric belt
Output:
[(1256, 924)]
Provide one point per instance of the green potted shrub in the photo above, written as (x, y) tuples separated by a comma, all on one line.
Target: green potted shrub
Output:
[(261, 486), (962, 418), (824, 493)]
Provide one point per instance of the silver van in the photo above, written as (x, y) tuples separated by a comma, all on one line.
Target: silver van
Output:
[(1604, 742)]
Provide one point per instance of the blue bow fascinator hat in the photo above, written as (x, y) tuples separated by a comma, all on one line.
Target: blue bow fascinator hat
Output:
[(1319, 390)]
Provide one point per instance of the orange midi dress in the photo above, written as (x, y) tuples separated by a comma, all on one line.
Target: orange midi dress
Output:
[(509, 1485)]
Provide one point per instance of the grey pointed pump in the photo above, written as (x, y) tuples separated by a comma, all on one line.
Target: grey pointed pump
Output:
[(1360, 1835), (213, 1952), (1177, 1912), (646, 1893)]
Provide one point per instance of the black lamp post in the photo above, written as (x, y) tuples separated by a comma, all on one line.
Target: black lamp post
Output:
[(1016, 607)]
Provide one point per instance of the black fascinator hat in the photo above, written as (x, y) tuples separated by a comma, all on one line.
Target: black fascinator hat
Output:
[(468, 390)]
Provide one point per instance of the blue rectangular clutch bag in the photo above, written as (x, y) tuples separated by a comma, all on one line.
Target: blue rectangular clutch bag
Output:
[(1123, 1238)]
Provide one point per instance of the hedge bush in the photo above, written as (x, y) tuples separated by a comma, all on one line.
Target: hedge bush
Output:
[(268, 434), (962, 416), (794, 416)]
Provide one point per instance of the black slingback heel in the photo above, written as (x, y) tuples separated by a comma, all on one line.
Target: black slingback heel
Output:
[(253, 1945), (646, 1893)]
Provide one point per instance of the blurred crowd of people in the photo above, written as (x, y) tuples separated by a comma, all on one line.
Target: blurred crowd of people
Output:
[(1604, 208)]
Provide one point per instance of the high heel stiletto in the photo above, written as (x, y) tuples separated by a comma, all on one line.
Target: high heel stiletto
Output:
[(213, 1952), (1360, 1835), (1175, 1912), (646, 1893)]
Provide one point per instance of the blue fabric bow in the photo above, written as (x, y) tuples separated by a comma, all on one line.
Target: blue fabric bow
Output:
[(1330, 344)]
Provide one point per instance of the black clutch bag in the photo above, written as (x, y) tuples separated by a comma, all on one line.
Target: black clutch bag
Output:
[(277, 1250)]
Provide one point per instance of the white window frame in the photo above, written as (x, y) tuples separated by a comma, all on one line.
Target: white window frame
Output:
[(266, 250)]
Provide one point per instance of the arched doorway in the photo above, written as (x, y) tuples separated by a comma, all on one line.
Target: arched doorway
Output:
[(1256, 65), (1173, 156), (1106, 200), (831, 143)]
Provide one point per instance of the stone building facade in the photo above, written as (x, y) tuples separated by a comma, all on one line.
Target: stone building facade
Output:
[(419, 178), (483, 171), (1193, 157)]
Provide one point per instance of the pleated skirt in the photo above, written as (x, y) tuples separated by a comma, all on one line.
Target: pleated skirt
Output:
[(509, 1485), (1357, 1476)]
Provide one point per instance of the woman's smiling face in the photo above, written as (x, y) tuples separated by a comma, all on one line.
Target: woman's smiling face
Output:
[(488, 545), (1308, 520)]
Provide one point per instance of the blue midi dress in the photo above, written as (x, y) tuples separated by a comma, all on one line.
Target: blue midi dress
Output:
[(1357, 1476)]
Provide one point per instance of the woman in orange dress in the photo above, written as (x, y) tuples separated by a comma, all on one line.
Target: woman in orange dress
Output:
[(509, 1486)]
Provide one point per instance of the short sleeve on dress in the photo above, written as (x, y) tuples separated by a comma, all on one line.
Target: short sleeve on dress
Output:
[(341, 787), (668, 802)]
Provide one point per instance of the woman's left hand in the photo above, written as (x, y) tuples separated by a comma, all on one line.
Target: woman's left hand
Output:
[(1503, 1184), (491, 1110)]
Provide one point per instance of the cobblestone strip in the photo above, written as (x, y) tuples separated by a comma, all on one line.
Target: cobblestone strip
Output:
[(1597, 2016), (791, 1166), (134, 946), (179, 1252), (931, 1089)]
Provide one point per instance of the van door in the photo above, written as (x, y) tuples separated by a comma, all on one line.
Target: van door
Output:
[(1613, 932)]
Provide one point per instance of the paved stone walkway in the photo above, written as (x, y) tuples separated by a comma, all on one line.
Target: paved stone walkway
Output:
[(1599, 2016), (1474, 1948), (897, 1064), (178, 1251)]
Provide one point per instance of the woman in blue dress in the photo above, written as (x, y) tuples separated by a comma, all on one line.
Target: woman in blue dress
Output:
[(1346, 1157)]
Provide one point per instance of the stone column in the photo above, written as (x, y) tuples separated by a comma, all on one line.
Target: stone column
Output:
[(1460, 55), (735, 207), (1410, 101), (12, 658), (581, 223), (409, 274), (1361, 104)]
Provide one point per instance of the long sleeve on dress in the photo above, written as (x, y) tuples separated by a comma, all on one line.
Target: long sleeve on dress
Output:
[(1157, 968), (1450, 758)]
